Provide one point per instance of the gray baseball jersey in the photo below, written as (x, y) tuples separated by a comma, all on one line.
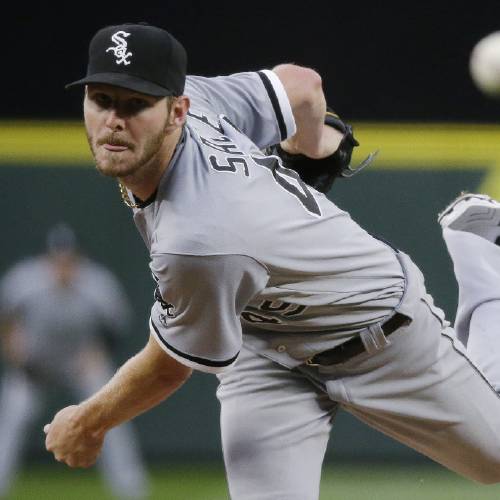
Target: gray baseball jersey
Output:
[(58, 322), (240, 244)]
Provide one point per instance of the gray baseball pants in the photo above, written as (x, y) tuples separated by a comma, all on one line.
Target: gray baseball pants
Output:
[(422, 389)]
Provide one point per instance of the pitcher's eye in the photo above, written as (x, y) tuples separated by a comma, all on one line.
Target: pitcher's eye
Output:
[(102, 100), (136, 104)]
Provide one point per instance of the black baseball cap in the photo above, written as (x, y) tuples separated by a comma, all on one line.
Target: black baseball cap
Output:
[(138, 57)]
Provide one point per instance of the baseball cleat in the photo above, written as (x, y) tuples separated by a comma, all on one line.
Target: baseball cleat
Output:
[(473, 213)]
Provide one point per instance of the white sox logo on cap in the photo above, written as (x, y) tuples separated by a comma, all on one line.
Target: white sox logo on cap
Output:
[(136, 56), (120, 50)]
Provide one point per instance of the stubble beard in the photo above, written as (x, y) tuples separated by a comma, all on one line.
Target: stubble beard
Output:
[(115, 165)]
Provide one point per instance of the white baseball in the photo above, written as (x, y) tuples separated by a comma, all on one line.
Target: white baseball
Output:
[(484, 64)]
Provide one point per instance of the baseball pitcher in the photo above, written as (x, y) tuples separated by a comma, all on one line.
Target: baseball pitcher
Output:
[(262, 280)]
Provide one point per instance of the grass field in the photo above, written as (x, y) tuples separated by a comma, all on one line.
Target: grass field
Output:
[(208, 483)]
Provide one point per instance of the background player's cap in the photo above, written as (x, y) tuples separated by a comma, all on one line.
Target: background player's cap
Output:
[(61, 238), (138, 57)]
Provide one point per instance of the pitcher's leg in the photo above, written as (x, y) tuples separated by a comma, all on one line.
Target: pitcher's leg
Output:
[(484, 340), (471, 230), (423, 391), (275, 427)]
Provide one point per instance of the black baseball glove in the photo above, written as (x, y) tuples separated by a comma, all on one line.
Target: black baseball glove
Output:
[(320, 174)]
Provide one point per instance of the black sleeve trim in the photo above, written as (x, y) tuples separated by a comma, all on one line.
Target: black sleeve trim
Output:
[(274, 100), (195, 359)]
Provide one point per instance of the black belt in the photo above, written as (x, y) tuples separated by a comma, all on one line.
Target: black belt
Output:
[(354, 346)]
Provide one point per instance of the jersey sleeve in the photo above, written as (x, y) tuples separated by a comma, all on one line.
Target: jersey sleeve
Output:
[(256, 102), (199, 299)]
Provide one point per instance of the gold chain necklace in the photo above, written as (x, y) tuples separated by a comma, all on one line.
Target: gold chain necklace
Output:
[(125, 197)]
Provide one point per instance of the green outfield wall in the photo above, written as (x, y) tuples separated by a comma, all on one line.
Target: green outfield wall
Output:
[(46, 176)]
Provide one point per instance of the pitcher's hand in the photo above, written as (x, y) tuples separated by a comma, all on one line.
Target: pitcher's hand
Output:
[(70, 441)]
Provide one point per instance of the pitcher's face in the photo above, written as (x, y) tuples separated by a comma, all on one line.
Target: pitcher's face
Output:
[(125, 129)]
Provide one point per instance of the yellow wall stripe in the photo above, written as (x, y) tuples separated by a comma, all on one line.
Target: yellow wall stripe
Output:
[(402, 145), (43, 143)]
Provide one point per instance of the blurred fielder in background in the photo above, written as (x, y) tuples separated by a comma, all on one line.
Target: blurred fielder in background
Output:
[(264, 281), (61, 314)]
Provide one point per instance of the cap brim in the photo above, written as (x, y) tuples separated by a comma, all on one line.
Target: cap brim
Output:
[(124, 81)]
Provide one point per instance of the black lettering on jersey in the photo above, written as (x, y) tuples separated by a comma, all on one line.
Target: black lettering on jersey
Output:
[(225, 163), (297, 311), (222, 144), (272, 311), (284, 308), (281, 176), (166, 306), (230, 166), (267, 305), (206, 120), (252, 317)]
